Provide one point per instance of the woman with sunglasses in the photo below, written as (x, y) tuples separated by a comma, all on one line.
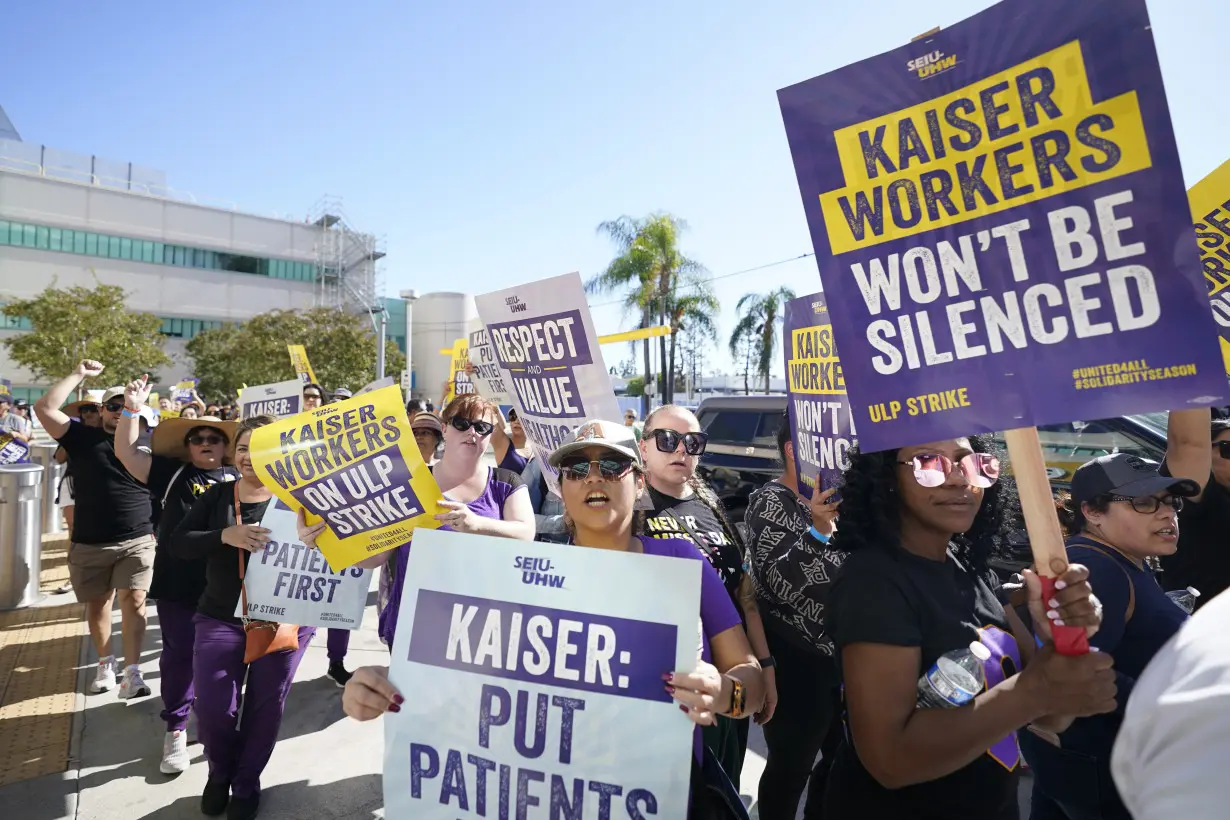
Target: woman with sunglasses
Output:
[(601, 480), (478, 499), (189, 456), (1125, 512), (223, 529), (918, 525), (682, 506)]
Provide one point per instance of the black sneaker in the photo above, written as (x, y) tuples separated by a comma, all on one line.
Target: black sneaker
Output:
[(215, 798), (339, 674), (243, 808)]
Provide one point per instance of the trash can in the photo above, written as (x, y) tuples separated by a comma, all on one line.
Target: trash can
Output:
[(44, 453), (21, 531)]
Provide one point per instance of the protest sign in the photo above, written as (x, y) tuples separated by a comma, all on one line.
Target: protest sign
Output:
[(279, 400), (533, 682), (13, 450), (290, 582), (299, 361), (355, 464), (544, 341), (183, 391), (1000, 220), (1210, 202), (821, 420), (376, 385), (458, 380), (487, 373)]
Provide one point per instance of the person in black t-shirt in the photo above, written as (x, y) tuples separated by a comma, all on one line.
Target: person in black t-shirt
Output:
[(223, 528), (678, 504), (188, 458), (1202, 559), (918, 524), (112, 541)]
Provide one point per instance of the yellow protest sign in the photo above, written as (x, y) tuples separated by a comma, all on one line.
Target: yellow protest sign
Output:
[(299, 361), (1210, 202), (355, 464), (458, 380)]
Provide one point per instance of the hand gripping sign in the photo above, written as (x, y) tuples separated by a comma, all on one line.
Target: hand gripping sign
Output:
[(533, 682), (290, 582), (354, 464), (821, 419), (1002, 221), (1210, 201), (544, 341)]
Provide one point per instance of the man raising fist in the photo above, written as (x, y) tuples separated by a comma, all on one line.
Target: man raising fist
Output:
[(112, 540)]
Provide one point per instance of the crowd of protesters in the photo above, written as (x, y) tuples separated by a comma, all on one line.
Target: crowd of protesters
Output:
[(820, 611)]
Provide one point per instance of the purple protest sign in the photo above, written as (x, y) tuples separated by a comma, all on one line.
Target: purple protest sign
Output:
[(367, 494), (821, 421), (999, 210)]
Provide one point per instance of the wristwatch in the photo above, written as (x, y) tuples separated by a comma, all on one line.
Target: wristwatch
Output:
[(738, 698), (767, 663)]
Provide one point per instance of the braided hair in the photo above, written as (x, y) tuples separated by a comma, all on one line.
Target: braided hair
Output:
[(871, 508)]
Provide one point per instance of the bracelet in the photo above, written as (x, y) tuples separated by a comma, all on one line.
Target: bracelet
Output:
[(767, 662), (738, 698), (819, 536), (128, 414)]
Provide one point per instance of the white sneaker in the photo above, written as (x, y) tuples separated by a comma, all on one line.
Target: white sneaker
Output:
[(174, 753), (104, 681), (133, 685)]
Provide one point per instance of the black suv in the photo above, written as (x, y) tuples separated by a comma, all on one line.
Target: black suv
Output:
[(742, 452)]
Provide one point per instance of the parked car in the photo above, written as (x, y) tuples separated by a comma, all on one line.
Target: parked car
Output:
[(742, 453)]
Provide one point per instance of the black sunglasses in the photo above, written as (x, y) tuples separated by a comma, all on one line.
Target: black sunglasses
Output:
[(512, 415), (206, 439), (1149, 504), (483, 428), (694, 444), (89, 408), (113, 406), (1223, 448), (610, 469)]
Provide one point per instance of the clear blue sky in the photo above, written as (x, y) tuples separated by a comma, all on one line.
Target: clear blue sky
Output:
[(487, 141)]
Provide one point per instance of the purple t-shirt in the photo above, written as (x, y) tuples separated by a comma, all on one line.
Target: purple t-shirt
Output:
[(513, 461), (717, 613), (501, 484)]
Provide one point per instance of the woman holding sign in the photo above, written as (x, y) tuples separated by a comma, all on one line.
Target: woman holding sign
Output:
[(683, 506), (601, 479), (913, 600), (223, 528), (1125, 512), (478, 499)]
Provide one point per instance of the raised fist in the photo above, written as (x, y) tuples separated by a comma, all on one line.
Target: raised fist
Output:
[(88, 368)]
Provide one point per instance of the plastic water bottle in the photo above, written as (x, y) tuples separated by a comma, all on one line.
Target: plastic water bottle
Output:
[(954, 679), (1184, 599)]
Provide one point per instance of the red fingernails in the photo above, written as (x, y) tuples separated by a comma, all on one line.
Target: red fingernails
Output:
[(670, 690), (668, 676), (683, 708), (393, 707), (398, 699)]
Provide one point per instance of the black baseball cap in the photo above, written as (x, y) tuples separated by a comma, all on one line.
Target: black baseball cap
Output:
[(1127, 475)]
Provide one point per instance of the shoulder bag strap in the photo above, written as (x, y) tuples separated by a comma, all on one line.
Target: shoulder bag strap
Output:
[(171, 484), (1131, 605), (243, 591)]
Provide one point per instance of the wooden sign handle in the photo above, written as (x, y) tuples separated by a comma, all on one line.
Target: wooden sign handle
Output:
[(1042, 524)]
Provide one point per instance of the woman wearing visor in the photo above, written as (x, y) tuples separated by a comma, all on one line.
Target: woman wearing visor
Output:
[(601, 479), (1124, 513)]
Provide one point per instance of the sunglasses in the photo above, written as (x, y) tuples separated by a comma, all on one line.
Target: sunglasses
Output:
[(610, 469), (1223, 448), (89, 408), (207, 439), (1150, 504), (667, 441), (311, 395), (933, 469), (113, 406), (512, 415), (483, 428)]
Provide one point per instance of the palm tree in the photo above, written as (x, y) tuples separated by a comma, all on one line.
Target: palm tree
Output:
[(759, 315), (691, 312), (652, 269)]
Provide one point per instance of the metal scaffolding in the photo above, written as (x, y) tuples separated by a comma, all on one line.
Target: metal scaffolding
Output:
[(351, 274)]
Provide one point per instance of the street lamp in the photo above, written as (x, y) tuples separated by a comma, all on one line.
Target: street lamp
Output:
[(409, 296)]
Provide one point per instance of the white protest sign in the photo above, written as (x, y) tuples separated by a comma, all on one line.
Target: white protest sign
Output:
[(292, 583), (533, 682), (487, 375), (545, 344), (378, 384), (279, 399)]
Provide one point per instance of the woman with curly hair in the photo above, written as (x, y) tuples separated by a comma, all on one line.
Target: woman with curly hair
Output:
[(918, 524)]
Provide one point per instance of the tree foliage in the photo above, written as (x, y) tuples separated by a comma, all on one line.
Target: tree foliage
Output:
[(340, 345), (759, 316), (71, 324)]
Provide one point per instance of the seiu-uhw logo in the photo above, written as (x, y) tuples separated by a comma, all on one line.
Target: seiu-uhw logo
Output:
[(537, 572), (931, 64)]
